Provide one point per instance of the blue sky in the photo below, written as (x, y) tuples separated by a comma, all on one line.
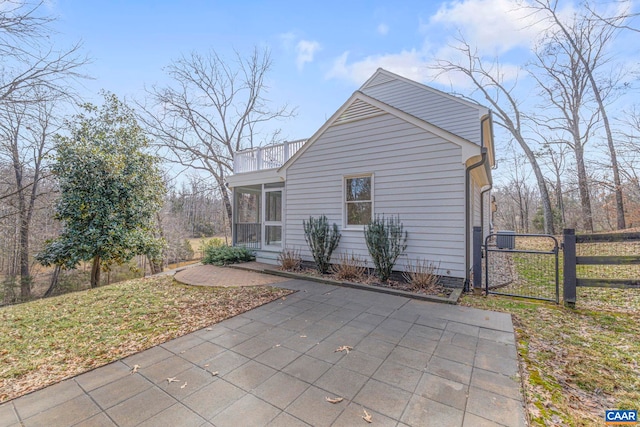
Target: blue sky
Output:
[(321, 51)]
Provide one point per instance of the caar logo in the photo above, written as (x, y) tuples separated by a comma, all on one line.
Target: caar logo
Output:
[(621, 417)]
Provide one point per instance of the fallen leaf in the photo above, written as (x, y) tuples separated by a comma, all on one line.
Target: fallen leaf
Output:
[(172, 380), (367, 416), (208, 329), (183, 385), (334, 399), (206, 365), (344, 348), (277, 345), (183, 351), (214, 373), (135, 369), (284, 298), (303, 336)]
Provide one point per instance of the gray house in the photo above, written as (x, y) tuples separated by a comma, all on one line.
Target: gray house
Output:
[(395, 147)]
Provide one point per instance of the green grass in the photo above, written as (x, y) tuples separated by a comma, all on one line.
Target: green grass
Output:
[(577, 363), (45, 341)]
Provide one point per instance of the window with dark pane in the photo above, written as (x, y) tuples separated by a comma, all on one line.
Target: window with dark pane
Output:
[(358, 200)]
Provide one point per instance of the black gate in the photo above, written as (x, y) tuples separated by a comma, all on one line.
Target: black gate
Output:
[(522, 265)]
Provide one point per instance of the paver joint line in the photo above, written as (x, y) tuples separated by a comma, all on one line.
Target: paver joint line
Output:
[(390, 355)]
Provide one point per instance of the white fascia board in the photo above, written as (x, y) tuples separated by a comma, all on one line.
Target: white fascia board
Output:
[(469, 149), (254, 178), (319, 132)]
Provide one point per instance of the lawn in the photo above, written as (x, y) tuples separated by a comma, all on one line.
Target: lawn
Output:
[(576, 363), (45, 341)]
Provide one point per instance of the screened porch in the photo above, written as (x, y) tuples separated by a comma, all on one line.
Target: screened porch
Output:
[(258, 216)]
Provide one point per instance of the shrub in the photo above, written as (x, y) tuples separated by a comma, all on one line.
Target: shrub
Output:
[(422, 275), (290, 260), (351, 267), (322, 240), (214, 242), (225, 255), (386, 240)]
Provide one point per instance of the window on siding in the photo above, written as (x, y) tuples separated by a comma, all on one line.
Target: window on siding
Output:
[(358, 200)]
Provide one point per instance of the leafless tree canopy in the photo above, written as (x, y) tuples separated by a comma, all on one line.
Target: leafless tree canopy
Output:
[(32, 66), (212, 109), (35, 77)]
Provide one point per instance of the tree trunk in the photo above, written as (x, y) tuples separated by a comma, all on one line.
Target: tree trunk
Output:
[(621, 223), (95, 272), (156, 266), (54, 281), (225, 199), (583, 187), (25, 276), (542, 187)]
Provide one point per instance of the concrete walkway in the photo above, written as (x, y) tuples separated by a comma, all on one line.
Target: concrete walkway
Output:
[(413, 363)]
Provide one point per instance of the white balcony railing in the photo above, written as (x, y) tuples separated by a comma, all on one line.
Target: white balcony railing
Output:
[(269, 157)]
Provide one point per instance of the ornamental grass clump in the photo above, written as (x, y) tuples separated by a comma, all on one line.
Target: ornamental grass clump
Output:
[(386, 241), (290, 260), (350, 267), (423, 275), (322, 240)]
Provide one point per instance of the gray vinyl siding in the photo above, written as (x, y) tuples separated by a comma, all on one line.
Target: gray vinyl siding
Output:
[(451, 115), (416, 175)]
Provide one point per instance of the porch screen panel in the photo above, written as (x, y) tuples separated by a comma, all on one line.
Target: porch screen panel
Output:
[(248, 208)]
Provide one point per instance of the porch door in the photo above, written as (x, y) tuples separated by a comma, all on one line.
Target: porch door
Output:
[(272, 233)]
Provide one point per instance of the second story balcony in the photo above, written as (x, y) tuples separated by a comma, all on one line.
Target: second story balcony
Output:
[(262, 158)]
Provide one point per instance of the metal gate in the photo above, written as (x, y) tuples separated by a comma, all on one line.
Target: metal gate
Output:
[(522, 265)]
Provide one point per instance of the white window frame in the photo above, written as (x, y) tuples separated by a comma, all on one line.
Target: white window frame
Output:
[(266, 223), (345, 216)]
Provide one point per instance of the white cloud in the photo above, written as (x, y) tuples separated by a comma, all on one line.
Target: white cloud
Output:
[(410, 64), (306, 50), (492, 26), (383, 29), (495, 26)]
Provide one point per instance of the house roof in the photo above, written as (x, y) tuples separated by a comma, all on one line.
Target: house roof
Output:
[(383, 76), (361, 105)]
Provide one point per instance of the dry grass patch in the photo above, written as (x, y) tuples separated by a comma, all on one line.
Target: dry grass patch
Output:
[(576, 363), (43, 342)]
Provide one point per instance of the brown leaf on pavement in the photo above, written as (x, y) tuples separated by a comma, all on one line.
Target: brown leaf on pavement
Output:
[(334, 399), (183, 385), (214, 373), (344, 348), (172, 380), (367, 416), (135, 369)]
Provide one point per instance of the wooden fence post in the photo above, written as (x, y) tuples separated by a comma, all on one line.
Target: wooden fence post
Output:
[(569, 282), (477, 259)]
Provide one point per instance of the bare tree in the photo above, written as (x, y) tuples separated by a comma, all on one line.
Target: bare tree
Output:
[(26, 139), (555, 156), (568, 114), (603, 31), (489, 82), (34, 76), (32, 67), (212, 110)]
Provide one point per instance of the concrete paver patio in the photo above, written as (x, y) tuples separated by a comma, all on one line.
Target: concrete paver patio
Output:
[(413, 363)]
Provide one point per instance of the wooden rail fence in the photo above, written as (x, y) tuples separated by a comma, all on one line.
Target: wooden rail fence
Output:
[(571, 260)]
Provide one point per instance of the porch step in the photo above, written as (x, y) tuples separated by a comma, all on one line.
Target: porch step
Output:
[(267, 257)]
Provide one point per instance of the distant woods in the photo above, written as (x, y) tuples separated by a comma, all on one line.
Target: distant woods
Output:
[(571, 140), (567, 132)]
